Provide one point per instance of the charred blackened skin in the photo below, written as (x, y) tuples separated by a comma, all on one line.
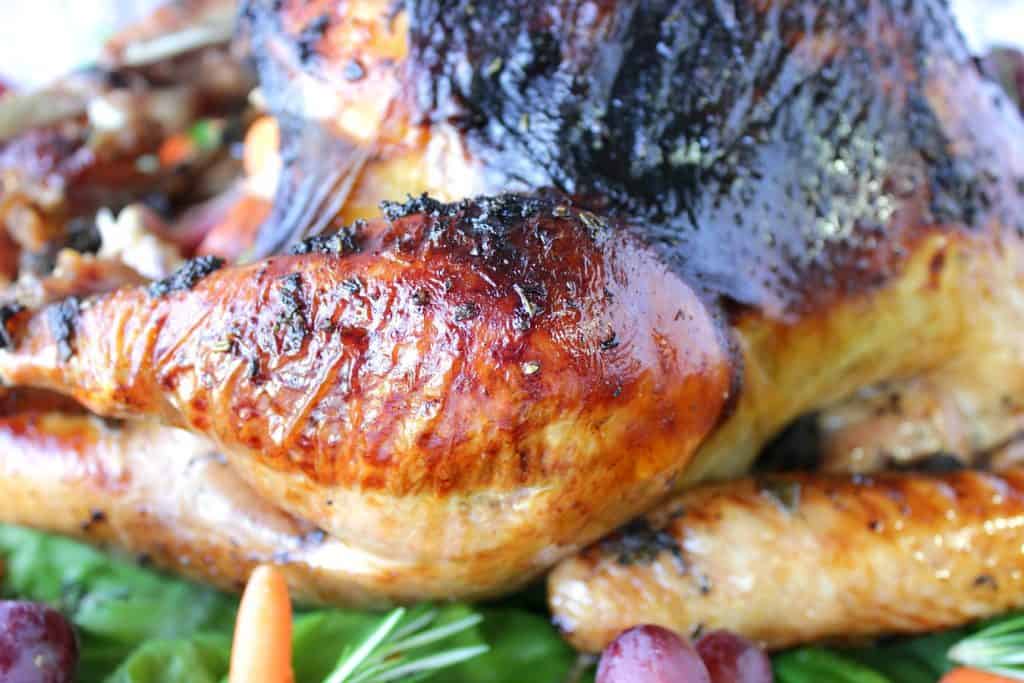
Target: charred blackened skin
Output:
[(423, 204), (8, 311), (485, 213), (292, 318), (342, 242), (61, 319), (639, 542), (186, 276), (675, 115), (483, 234), (312, 35)]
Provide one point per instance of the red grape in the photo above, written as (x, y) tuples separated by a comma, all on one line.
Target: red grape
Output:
[(733, 659), (650, 654), (37, 644)]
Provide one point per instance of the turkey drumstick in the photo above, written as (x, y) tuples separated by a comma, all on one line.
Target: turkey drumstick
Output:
[(462, 379)]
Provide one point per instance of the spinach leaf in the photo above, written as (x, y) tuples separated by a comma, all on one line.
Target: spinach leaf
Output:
[(137, 625)]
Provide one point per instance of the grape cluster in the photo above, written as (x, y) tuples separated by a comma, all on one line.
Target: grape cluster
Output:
[(652, 654)]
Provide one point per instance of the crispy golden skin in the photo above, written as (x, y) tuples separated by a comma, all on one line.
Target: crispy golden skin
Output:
[(464, 388), (802, 558), (167, 497)]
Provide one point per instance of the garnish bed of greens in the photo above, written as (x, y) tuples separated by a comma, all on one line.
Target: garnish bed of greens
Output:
[(137, 625)]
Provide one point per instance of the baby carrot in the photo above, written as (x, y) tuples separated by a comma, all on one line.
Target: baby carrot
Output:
[(262, 648), (966, 675)]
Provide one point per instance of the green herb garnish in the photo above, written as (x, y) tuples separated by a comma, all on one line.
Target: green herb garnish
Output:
[(397, 649), (998, 649)]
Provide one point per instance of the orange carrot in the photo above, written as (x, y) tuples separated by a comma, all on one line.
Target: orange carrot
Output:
[(262, 649), (966, 675), (176, 150)]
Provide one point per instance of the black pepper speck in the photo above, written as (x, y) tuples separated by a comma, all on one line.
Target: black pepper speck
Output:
[(340, 243)]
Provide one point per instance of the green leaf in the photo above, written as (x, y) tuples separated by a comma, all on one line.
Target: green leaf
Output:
[(996, 645), (141, 626), (99, 657), (198, 659), (519, 642), (116, 606), (911, 660), (816, 665), (105, 596)]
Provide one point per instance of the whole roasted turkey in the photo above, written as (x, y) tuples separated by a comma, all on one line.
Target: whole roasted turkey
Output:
[(622, 245)]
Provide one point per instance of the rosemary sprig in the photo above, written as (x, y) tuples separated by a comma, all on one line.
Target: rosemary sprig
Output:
[(998, 649), (399, 651)]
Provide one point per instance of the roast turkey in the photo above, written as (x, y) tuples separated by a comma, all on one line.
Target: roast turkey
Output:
[(621, 246)]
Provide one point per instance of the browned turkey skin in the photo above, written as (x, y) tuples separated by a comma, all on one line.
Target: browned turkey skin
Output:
[(796, 559), (774, 206), (170, 498), (445, 382)]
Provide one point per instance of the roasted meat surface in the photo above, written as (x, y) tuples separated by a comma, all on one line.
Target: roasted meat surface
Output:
[(641, 239), (787, 560), (465, 378), (168, 496)]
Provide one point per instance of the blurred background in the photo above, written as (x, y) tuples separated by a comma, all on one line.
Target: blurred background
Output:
[(43, 39), (987, 23)]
